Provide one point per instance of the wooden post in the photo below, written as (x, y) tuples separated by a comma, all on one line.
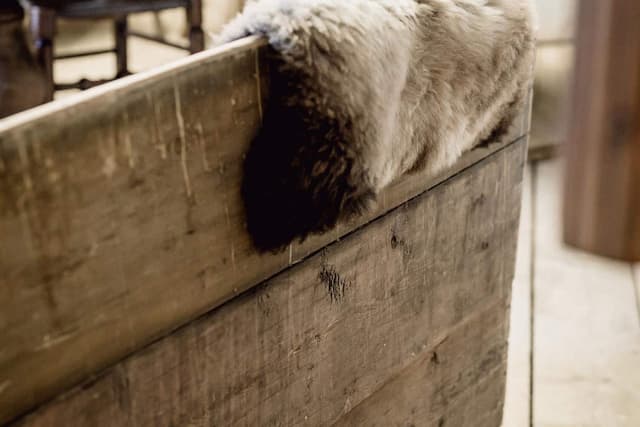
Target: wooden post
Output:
[(43, 26), (120, 32), (22, 82), (602, 190), (194, 20)]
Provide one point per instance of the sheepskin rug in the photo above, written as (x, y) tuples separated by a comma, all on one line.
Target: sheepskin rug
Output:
[(364, 91)]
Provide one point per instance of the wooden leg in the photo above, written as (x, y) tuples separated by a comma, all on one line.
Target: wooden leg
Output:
[(120, 32), (602, 202), (42, 27), (194, 20)]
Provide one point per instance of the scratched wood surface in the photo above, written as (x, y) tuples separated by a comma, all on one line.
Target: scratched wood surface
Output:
[(402, 322), (120, 216)]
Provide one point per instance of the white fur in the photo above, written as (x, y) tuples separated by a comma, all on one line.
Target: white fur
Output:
[(417, 82)]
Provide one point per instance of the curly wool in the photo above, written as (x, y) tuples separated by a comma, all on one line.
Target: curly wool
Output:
[(364, 91)]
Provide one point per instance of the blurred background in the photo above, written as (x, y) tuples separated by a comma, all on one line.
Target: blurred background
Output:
[(554, 69), (77, 35), (575, 330)]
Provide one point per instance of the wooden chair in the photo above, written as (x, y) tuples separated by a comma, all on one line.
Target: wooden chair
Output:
[(43, 14)]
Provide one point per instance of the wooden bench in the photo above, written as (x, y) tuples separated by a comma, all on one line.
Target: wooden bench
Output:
[(130, 293)]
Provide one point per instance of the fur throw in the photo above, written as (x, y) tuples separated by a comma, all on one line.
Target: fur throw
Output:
[(364, 91)]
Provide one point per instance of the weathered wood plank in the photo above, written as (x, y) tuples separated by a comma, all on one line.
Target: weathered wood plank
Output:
[(517, 410), (586, 331), (100, 201), (426, 392), (318, 341), (121, 218)]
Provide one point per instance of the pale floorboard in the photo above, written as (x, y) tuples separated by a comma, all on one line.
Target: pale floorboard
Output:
[(636, 277), (586, 367)]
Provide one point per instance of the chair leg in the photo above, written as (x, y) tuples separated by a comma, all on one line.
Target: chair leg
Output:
[(120, 32), (194, 21), (42, 24)]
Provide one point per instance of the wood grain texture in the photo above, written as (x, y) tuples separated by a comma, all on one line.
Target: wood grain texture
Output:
[(602, 201), (121, 218), (440, 387), (404, 320), (517, 410)]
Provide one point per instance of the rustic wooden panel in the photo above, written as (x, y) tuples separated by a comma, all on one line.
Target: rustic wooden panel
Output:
[(602, 201), (104, 205), (121, 220), (424, 290), (427, 391), (517, 410)]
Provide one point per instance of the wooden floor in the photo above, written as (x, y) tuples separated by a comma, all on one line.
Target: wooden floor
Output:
[(575, 331)]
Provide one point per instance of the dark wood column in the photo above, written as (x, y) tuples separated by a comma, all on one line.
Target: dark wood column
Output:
[(22, 83), (602, 191)]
